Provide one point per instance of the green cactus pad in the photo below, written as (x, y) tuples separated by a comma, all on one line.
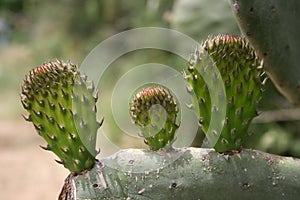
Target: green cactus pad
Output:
[(154, 111), (272, 28), (61, 105), (242, 75)]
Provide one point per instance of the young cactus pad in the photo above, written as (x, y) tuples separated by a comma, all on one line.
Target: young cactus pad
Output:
[(242, 75), (61, 105), (154, 111)]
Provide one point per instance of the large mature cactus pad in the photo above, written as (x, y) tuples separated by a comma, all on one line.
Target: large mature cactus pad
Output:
[(187, 173), (272, 28)]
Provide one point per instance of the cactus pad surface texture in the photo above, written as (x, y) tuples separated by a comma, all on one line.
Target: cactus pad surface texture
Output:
[(272, 28)]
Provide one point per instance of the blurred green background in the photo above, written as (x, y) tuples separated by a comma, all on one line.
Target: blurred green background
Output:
[(33, 32)]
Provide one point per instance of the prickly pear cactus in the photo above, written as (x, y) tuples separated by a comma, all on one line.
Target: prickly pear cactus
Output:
[(241, 72), (154, 111), (272, 28), (62, 109)]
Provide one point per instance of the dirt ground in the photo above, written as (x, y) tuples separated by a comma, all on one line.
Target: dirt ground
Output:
[(27, 171)]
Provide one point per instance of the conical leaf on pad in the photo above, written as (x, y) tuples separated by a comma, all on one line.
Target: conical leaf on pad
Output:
[(243, 79), (154, 111), (62, 108)]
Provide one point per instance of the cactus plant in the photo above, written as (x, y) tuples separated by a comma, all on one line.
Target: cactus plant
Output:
[(55, 104), (241, 72), (272, 28), (198, 173), (159, 126), (61, 106)]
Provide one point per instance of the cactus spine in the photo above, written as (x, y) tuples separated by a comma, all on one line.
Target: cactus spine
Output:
[(61, 105), (241, 72), (154, 111)]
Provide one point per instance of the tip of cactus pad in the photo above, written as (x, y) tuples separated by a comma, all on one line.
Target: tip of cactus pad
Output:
[(61, 107)]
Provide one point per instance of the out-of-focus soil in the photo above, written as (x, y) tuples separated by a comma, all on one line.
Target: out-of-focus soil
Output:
[(27, 172)]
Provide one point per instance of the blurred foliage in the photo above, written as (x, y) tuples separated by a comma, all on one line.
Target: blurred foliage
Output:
[(200, 18), (33, 32)]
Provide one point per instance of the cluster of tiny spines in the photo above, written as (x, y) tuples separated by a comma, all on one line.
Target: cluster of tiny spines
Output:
[(47, 94), (242, 74), (139, 108)]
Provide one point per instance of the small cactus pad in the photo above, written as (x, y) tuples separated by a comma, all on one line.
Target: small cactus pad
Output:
[(154, 111), (58, 98), (242, 76)]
